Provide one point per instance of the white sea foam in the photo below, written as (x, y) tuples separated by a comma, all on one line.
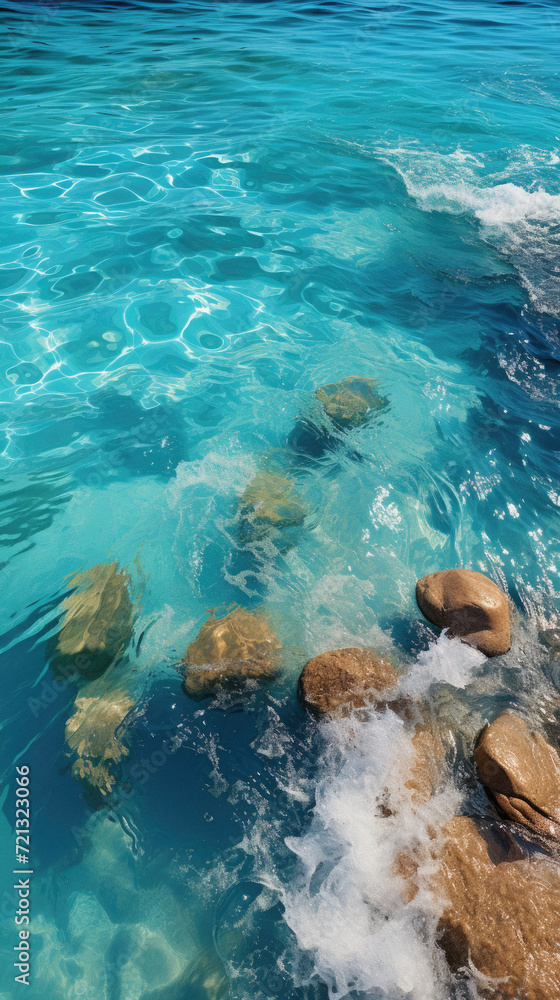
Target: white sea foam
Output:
[(499, 205), (221, 471), (519, 221), (346, 906), (448, 661)]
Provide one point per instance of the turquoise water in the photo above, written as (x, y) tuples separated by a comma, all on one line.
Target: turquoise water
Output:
[(208, 210)]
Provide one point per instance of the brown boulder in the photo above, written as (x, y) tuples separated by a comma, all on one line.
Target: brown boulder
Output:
[(500, 912), (470, 605), (349, 401), (521, 774), (344, 679), (228, 651)]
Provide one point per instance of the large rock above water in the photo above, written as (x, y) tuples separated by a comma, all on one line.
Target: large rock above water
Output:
[(228, 651), (521, 774), (343, 679), (349, 401), (270, 503), (97, 623), (470, 605), (499, 912)]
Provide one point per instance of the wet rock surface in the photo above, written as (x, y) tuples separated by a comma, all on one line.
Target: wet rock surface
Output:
[(270, 503), (500, 912), (470, 605), (91, 736), (427, 764), (521, 773), (344, 679), (228, 651), (97, 623), (349, 401)]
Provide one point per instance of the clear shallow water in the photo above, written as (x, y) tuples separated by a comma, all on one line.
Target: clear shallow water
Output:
[(208, 211)]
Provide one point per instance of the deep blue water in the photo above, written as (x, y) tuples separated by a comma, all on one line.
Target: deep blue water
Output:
[(208, 210)]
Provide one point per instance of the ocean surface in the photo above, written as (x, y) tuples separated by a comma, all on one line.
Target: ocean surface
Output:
[(208, 211)]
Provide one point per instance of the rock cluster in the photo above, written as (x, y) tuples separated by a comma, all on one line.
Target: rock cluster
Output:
[(240, 646), (344, 679), (228, 651), (498, 903), (521, 774), (95, 632), (497, 900), (469, 605)]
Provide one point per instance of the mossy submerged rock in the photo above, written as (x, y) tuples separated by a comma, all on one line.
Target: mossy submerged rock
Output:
[(344, 679), (349, 401), (97, 624), (499, 912), (470, 605), (91, 735), (521, 773), (269, 503), (228, 651)]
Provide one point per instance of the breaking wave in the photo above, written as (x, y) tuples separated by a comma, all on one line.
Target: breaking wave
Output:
[(521, 222)]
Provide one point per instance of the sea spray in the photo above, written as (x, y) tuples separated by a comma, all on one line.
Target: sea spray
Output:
[(520, 221), (447, 661), (347, 904)]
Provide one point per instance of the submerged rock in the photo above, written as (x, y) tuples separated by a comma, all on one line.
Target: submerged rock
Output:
[(97, 624), (91, 736), (228, 651), (470, 605), (521, 774), (349, 401), (500, 912), (269, 503), (344, 679), (204, 978)]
